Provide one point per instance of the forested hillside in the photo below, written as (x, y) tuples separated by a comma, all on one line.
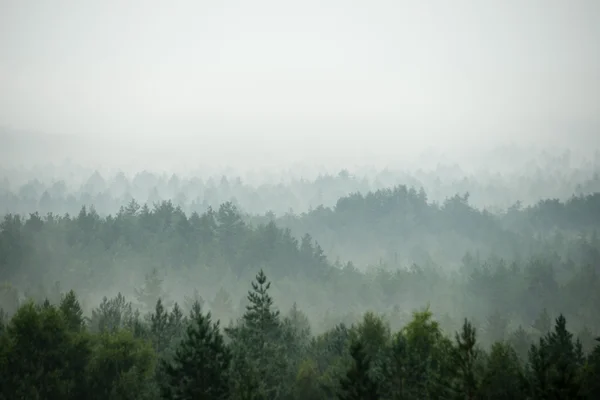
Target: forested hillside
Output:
[(399, 226), (385, 295), (309, 200), (219, 250)]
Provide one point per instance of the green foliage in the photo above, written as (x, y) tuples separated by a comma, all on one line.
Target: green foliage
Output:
[(257, 344), (160, 331), (555, 364), (427, 360), (358, 384), (467, 358), (591, 374), (121, 368), (72, 312), (50, 350), (40, 355), (200, 366), (504, 377), (47, 352), (112, 315)]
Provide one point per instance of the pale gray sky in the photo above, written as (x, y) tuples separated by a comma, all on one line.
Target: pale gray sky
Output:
[(377, 78)]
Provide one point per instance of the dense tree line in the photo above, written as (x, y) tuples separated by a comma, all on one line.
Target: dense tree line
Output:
[(52, 351), (350, 332), (65, 189), (400, 225), (217, 252)]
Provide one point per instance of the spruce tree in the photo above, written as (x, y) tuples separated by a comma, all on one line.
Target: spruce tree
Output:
[(200, 366), (357, 384), (71, 310), (159, 321), (503, 378), (466, 359), (257, 343), (556, 364)]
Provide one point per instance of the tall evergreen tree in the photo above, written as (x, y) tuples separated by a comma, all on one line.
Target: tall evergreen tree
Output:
[(70, 308), (503, 378), (159, 328), (555, 364), (200, 366), (257, 342), (357, 384), (466, 361)]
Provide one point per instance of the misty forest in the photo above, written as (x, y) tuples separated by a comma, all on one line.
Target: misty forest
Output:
[(155, 286), (300, 200)]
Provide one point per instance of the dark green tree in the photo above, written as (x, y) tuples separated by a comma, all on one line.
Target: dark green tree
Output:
[(257, 344), (40, 357), (503, 378), (121, 368), (200, 366), (159, 328), (556, 364), (357, 384), (467, 357), (71, 310), (590, 388)]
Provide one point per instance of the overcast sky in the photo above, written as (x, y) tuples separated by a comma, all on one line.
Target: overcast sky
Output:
[(299, 79)]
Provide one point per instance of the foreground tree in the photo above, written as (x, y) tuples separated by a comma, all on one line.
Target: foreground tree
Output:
[(357, 384), (503, 378), (555, 364), (467, 357), (200, 366), (259, 363), (40, 358)]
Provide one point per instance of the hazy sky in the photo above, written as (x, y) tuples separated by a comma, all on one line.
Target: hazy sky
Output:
[(301, 78)]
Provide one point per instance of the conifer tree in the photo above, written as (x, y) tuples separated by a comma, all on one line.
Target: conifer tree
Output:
[(357, 384), (159, 329), (200, 366), (70, 308), (176, 322), (257, 341), (555, 364), (466, 360), (503, 378)]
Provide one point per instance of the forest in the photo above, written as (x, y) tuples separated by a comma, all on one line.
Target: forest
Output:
[(154, 288), (300, 200)]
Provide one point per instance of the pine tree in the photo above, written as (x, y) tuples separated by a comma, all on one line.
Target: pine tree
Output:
[(503, 378), (260, 317), (357, 384), (176, 321), (200, 366), (159, 329), (70, 308), (467, 356), (257, 343), (556, 364), (566, 357)]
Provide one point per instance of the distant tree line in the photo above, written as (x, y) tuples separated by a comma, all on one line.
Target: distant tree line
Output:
[(46, 189)]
